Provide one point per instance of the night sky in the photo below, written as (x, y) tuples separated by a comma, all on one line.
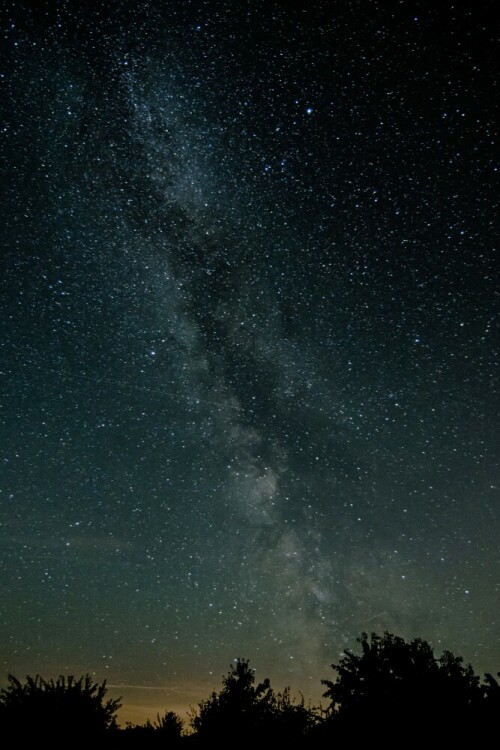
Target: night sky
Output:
[(248, 313)]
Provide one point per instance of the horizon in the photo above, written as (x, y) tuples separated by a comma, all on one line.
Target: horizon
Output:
[(184, 697)]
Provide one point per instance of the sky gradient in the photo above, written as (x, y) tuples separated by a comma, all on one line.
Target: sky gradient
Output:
[(248, 340)]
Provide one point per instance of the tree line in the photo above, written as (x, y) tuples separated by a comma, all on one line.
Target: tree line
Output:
[(393, 690)]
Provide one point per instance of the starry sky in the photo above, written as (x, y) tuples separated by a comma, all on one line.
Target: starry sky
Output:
[(248, 313)]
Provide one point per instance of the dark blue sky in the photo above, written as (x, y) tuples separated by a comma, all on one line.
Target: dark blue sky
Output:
[(249, 317)]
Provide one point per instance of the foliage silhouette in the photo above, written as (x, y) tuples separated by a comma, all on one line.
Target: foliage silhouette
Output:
[(290, 722), (170, 725), (393, 690), (240, 707), (56, 708), (164, 731), (395, 686), (243, 709)]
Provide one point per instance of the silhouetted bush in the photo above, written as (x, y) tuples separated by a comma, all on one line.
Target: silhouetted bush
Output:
[(241, 709), (63, 708), (394, 691), (290, 722), (165, 731), (394, 688), (245, 712)]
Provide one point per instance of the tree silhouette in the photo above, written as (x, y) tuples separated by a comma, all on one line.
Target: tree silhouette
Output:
[(393, 691), (291, 722), (56, 708), (169, 725), (394, 687), (241, 709), (244, 712), (165, 731)]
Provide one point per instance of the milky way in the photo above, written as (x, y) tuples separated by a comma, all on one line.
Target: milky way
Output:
[(248, 358)]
